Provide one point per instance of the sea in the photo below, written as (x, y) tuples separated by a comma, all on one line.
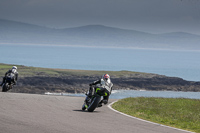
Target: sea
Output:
[(174, 63)]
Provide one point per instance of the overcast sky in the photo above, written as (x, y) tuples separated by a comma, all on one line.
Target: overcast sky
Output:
[(153, 16)]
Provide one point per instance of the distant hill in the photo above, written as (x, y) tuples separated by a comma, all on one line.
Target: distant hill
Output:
[(95, 35)]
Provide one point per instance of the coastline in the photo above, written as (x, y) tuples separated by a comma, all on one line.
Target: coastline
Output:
[(105, 47), (40, 80)]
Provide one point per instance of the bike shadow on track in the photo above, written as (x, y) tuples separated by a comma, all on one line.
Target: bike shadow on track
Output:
[(87, 111)]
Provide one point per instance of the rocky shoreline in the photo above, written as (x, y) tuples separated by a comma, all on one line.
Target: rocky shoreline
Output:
[(36, 80), (80, 84)]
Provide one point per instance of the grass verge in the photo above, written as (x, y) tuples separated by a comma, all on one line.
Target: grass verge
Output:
[(175, 112), (34, 71)]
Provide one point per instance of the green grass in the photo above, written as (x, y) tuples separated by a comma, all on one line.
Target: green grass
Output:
[(34, 71), (176, 112)]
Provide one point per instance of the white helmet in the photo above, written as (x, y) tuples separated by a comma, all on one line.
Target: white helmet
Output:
[(105, 77), (14, 67)]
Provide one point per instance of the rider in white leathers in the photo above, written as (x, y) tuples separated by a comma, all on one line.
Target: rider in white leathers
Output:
[(13, 74), (106, 87)]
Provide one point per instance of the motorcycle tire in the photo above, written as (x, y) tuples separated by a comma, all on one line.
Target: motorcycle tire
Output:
[(94, 104), (5, 87), (83, 107)]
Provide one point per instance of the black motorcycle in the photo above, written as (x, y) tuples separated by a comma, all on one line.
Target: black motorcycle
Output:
[(8, 84), (92, 102)]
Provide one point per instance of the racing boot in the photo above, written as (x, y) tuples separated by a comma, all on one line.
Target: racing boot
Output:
[(14, 82), (100, 105), (102, 101), (105, 101)]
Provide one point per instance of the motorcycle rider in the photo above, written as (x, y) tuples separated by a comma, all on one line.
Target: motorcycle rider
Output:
[(106, 87), (13, 72)]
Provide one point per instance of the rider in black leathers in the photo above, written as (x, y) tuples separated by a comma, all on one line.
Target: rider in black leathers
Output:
[(106, 85), (13, 71)]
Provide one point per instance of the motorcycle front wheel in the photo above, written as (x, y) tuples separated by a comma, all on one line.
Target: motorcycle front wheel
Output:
[(83, 107), (5, 87), (94, 104)]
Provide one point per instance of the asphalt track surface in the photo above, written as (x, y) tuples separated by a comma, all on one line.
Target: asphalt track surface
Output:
[(30, 113)]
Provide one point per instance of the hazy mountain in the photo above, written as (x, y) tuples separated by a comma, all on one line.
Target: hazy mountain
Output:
[(95, 35)]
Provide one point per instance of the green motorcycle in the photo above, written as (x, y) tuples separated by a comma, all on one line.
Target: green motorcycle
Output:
[(92, 102)]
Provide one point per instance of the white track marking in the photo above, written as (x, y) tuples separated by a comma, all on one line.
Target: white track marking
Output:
[(110, 106)]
